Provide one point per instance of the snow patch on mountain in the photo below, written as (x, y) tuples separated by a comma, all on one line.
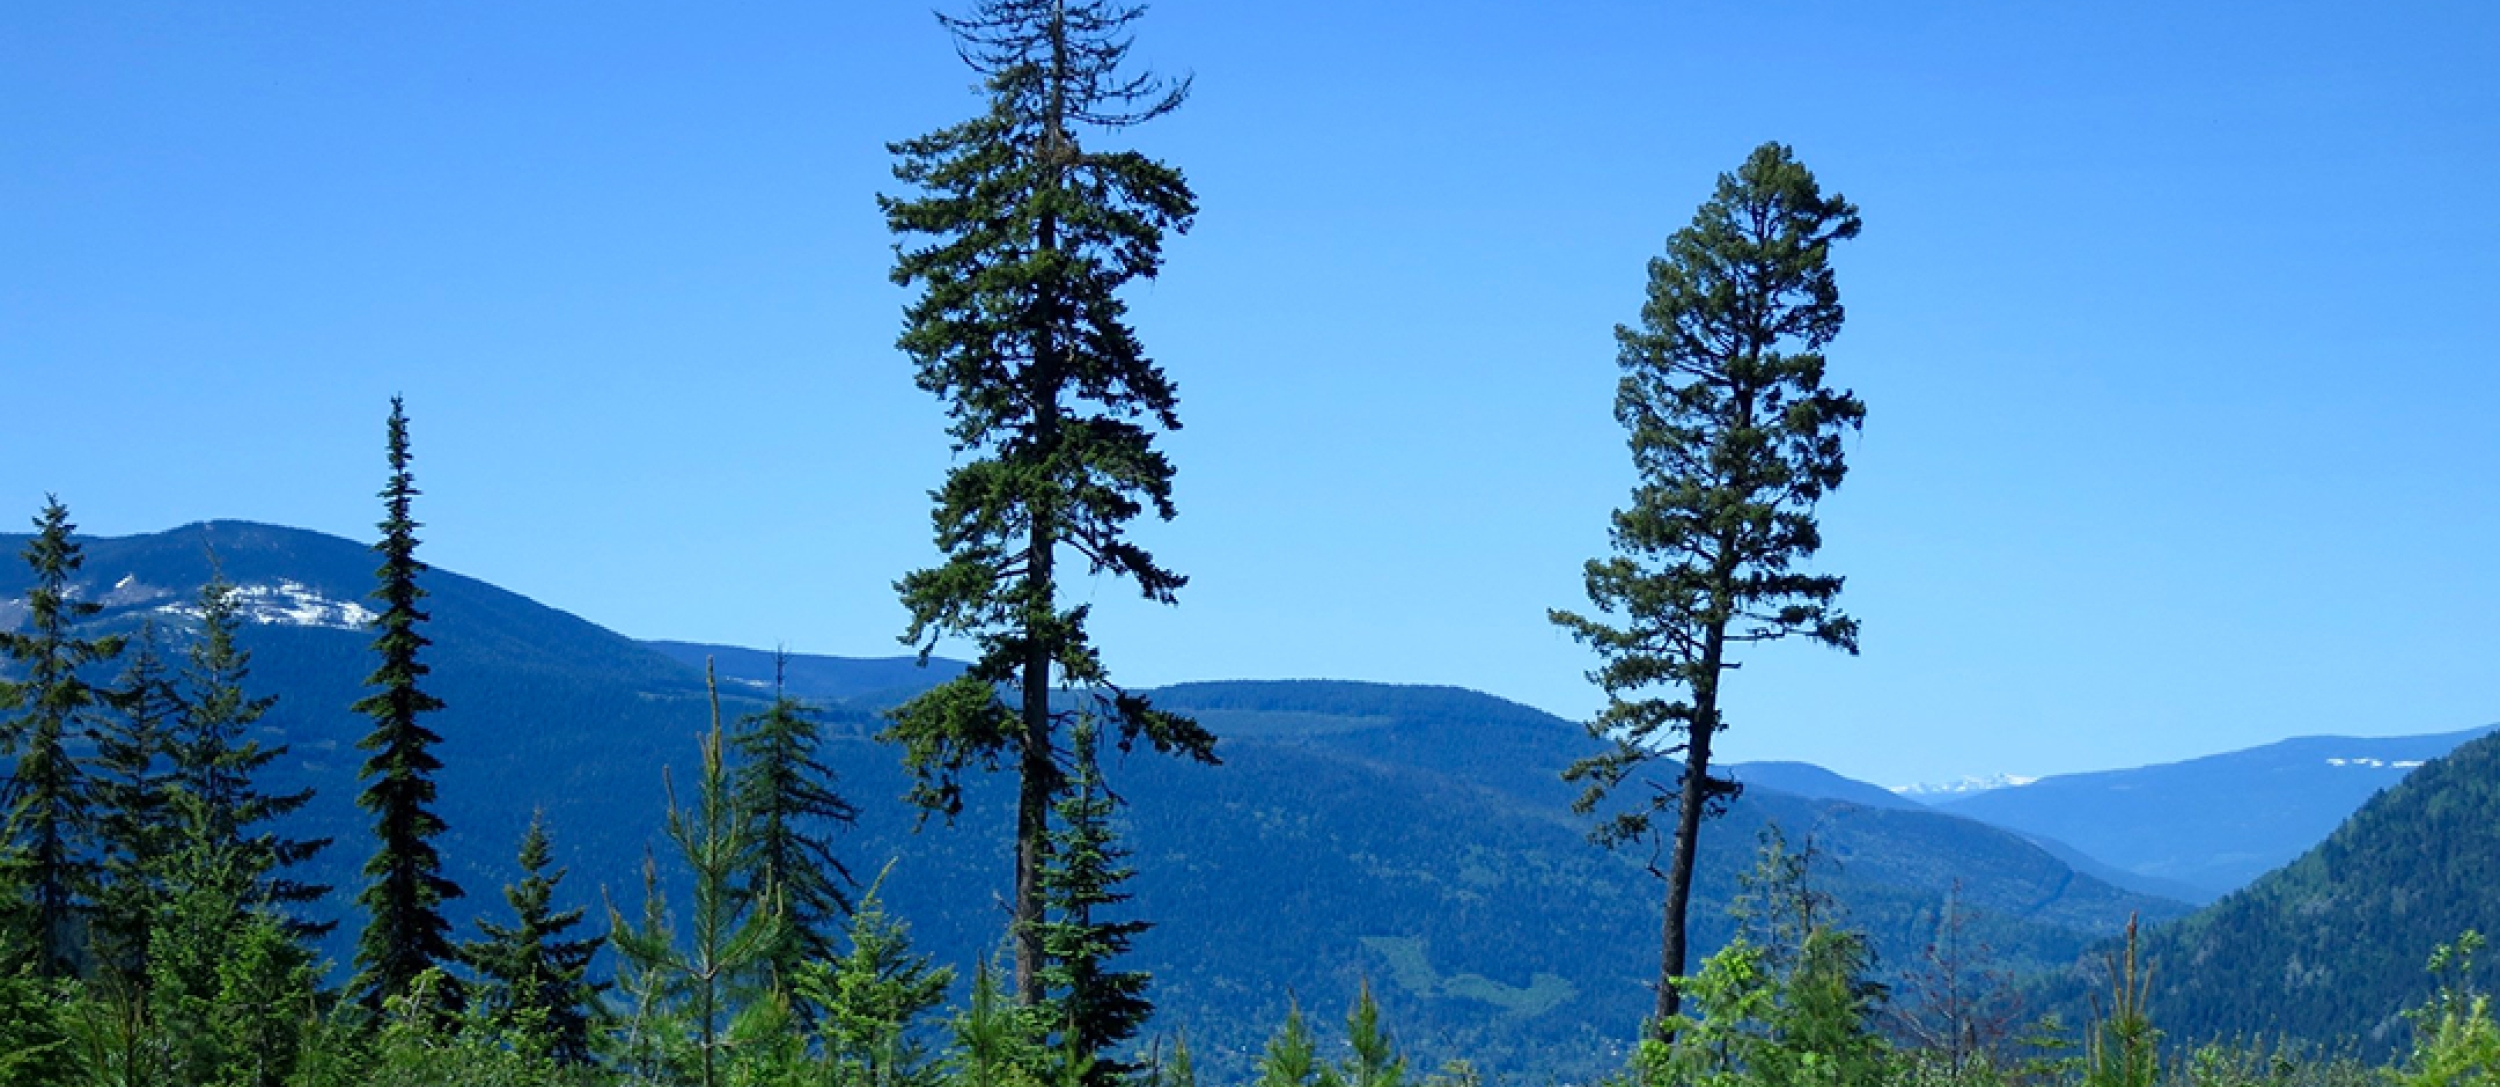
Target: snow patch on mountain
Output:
[(288, 603), (1962, 786), (2377, 764)]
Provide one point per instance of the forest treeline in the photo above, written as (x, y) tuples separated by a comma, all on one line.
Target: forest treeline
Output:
[(159, 926)]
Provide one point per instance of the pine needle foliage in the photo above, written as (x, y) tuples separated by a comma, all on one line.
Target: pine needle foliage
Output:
[(785, 786), (134, 823), (1021, 237), (51, 806), (1734, 437), (1094, 1007), (405, 932), (534, 980), (215, 761), (871, 998), (722, 965)]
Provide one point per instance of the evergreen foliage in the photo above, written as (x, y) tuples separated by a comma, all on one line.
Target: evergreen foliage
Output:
[(996, 1042), (535, 981), (784, 785), (51, 809), (697, 990), (216, 762), (870, 1000), (405, 933), (1094, 1007), (134, 822), (2456, 1043), (1735, 437), (1021, 238), (229, 989)]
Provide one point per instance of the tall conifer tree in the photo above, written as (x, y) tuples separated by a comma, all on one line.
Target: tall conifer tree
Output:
[(1735, 437), (405, 933), (1021, 239), (51, 808), (789, 792), (134, 823), (215, 761)]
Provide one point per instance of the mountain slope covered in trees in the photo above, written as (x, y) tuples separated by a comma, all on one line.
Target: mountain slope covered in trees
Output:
[(1415, 836), (2333, 945)]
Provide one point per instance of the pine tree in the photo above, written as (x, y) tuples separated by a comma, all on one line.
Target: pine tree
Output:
[(51, 810), (1292, 1057), (1735, 438), (1376, 1061), (134, 825), (724, 968), (534, 977), (1022, 239), (216, 763), (996, 1040), (789, 792), (405, 933), (1095, 1008)]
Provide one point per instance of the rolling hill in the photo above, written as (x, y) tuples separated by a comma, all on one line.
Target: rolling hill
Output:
[(1414, 835)]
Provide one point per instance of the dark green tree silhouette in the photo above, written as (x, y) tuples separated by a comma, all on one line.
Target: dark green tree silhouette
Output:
[(1094, 1007), (134, 821), (405, 933), (535, 978), (1735, 437), (51, 809), (1020, 238), (788, 791), (215, 761)]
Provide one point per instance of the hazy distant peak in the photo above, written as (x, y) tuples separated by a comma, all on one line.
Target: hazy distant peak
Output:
[(1963, 786)]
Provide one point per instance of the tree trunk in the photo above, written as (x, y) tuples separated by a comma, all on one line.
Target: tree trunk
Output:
[(1694, 798)]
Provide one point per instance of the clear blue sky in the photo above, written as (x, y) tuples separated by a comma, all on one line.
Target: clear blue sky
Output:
[(2174, 327)]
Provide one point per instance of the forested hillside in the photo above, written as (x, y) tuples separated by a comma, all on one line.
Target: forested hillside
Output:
[(1415, 836), (2332, 945)]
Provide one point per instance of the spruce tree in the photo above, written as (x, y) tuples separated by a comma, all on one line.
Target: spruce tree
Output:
[(134, 824), (789, 793), (1021, 238), (51, 810), (535, 978), (871, 1000), (405, 933), (1095, 1008), (1734, 437), (215, 761)]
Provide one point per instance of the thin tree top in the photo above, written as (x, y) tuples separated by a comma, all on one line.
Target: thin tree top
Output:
[(1020, 44)]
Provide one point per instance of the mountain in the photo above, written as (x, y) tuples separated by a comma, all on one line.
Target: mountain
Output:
[(2331, 947), (2211, 824), (1419, 836), (1808, 780)]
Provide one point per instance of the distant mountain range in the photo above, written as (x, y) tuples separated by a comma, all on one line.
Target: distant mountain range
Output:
[(1418, 836), (2331, 947), (2208, 826)]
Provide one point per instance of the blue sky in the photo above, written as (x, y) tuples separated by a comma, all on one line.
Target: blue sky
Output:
[(2171, 325)]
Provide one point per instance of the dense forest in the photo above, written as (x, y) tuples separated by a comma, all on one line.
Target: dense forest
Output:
[(187, 898)]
